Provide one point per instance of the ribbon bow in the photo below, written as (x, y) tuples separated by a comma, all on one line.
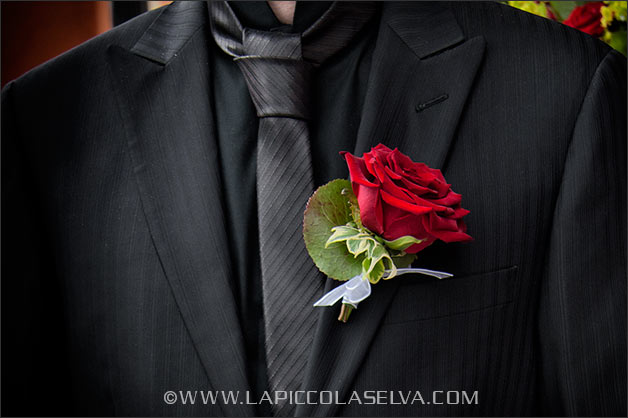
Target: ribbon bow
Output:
[(358, 288)]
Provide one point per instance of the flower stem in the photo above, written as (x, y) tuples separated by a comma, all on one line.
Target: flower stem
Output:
[(345, 311)]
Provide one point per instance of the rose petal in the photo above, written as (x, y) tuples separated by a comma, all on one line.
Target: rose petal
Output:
[(413, 249), (398, 191), (380, 173), (412, 208), (399, 223), (459, 212), (381, 148), (451, 236), (392, 174), (357, 170), (427, 202), (451, 199), (401, 160), (447, 230), (369, 160), (416, 188), (371, 211), (440, 223)]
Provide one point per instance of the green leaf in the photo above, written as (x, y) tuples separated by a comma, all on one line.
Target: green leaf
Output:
[(377, 252), (329, 208), (562, 9), (618, 41), (342, 233), (357, 246), (340, 247), (403, 260), (376, 262), (402, 243), (373, 271), (530, 7)]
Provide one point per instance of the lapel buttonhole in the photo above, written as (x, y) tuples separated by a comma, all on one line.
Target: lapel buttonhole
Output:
[(436, 100)]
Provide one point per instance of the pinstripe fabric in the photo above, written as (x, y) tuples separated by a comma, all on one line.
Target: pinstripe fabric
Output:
[(284, 183), (279, 78), (116, 275), (279, 89)]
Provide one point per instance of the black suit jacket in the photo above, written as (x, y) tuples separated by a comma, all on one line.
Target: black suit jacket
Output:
[(116, 284)]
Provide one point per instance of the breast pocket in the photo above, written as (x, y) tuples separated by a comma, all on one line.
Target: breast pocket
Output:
[(420, 297)]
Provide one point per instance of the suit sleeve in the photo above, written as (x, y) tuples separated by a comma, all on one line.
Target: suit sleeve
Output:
[(582, 312), (34, 368)]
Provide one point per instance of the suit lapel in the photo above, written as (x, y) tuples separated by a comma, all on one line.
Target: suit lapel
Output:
[(164, 95), (420, 82), (422, 72)]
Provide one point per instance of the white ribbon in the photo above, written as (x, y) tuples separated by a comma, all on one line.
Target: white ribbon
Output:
[(359, 288)]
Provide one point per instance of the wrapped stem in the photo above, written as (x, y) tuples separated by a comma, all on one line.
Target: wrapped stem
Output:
[(345, 311)]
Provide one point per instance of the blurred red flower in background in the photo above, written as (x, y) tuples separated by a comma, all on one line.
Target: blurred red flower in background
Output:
[(587, 18)]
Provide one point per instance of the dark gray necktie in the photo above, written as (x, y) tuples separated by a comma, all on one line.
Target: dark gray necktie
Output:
[(279, 77)]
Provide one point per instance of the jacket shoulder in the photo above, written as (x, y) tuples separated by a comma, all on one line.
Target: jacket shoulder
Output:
[(510, 31), (524, 50)]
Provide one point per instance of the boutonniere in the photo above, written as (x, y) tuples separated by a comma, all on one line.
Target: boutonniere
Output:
[(372, 227)]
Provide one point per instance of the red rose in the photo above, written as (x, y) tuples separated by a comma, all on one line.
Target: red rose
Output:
[(587, 18), (398, 197)]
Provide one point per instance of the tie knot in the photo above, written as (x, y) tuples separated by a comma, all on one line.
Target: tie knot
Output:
[(271, 44), (277, 76), (278, 66)]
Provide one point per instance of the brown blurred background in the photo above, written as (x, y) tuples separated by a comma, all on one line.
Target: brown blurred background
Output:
[(36, 31)]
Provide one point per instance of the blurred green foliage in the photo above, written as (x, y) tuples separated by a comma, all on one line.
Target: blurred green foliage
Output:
[(611, 17)]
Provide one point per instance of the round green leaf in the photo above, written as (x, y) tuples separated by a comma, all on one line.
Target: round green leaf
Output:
[(329, 207)]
